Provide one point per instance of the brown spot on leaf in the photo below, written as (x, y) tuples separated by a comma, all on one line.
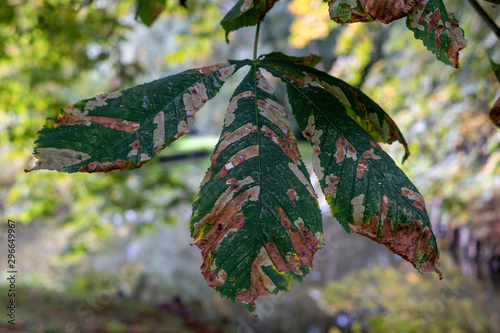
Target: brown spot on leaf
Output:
[(285, 221), (313, 135), (229, 138), (361, 168), (226, 205), (273, 111), (411, 242), (292, 194), (211, 241), (209, 69), (289, 151), (106, 166), (344, 149), (258, 283), (238, 158), (57, 159), (80, 118), (418, 200), (290, 265), (135, 146), (233, 105), (295, 79), (159, 132), (331, 182), (303, 241), (370, 154), (100, 100), (262, 83)]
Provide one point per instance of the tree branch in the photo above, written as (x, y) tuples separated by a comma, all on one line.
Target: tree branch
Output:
[(493, 26)]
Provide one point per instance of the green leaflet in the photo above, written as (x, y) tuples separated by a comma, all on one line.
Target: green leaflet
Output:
[(368, 114), (438, 30), (256, 218), (148, 10), (366, 191), (125, 129), (246, 13)]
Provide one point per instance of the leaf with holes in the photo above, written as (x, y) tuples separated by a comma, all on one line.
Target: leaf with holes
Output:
[(246, 13), (368, 114), (367, 193), (256, 218), (438, 30), (125, 129)]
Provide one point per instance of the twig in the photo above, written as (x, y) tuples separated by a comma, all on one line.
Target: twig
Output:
[(256, 41), (493, 26)]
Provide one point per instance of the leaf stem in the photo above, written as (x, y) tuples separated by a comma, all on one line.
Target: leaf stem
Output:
[(256, 41), (489, 21)]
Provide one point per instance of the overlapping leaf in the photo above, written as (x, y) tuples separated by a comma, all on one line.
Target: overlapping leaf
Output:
[(125, 129), (256, 218), (438, 30), (246, 13), (366, 191), (385, 11), (368, 114)]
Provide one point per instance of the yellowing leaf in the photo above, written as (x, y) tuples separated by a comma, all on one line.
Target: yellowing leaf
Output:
[(385, 11), (256, 218), (125, 129)]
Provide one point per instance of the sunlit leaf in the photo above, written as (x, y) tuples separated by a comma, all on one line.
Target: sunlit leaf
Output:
[(367, 193), (385, 11), (368, 114), (256, 218), (125, 129), (438, 30), (246, 13)]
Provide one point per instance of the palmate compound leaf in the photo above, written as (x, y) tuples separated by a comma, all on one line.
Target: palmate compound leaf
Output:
[(256, 218), (125, 129), (362, 109), (438, 30), (367, 193)]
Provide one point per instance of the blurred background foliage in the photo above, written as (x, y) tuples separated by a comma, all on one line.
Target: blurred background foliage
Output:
[(96, 250)]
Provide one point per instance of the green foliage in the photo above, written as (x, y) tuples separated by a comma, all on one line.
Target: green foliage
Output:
[(388, 299), (256, 218)]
